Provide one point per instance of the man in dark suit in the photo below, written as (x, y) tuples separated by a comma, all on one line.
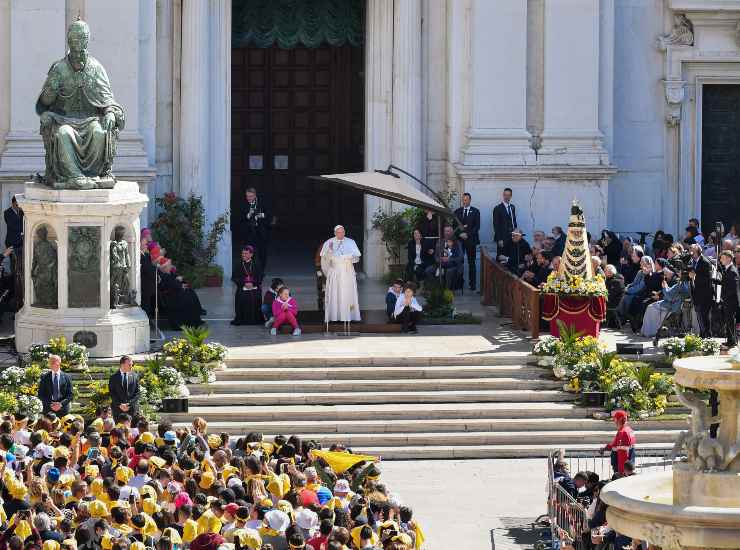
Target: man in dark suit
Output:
[(55, 388), (729, 297), (469, 218), (123, 387), (504, 220), (700, 274), (14, 225), (257, 225)]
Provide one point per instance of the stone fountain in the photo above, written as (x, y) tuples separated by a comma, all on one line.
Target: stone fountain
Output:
[(697, 505)]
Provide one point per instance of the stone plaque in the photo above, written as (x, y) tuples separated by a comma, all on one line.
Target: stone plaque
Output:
[(280, 162), (255, 162), (83, 259), (85, 338)]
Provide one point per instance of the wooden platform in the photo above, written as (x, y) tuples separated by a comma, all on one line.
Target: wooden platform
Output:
[(374, 321)]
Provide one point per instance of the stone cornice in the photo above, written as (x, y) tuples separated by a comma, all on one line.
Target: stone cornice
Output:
[(554, 172)]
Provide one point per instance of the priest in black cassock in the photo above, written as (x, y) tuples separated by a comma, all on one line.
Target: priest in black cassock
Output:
[(247, 276), (257, 224)]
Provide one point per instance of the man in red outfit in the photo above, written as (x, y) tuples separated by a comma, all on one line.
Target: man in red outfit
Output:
[(622, 446)]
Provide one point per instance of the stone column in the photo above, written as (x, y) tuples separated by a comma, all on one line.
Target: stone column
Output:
[(498, 134), (194, 99), (435, 47), (571, 134), (378, 118), (30, 60), (407, 96), (218, 199)]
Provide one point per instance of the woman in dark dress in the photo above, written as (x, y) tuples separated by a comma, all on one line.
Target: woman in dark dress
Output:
[(247, 276), (418, 257)]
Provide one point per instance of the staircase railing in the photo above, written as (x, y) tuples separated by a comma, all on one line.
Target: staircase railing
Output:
[(513, 297)]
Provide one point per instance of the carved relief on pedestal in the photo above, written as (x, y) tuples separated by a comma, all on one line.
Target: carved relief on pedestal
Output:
[(675, 92), (667, 537)]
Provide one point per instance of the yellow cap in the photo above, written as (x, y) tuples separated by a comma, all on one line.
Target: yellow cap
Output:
[(98, 509), (266, 503), (92, 470), (229, 471), (97, 424), (148, 490), (248, 538), (173, 535), (156, 462), (206, 480), (137, 545), (96, 487), (214, 441), (150, 506), (60, 452), (150, 526), (124, 474), (50, 545), (279, 486), (146, 437)]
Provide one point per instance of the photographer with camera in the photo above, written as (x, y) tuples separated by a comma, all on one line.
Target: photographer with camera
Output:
[(729, 297), (700, 277)]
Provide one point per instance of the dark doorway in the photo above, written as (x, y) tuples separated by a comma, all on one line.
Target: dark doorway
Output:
[(720, 181), (296, 113)]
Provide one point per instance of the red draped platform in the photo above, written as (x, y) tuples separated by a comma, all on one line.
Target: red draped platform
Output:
[(585, 313)]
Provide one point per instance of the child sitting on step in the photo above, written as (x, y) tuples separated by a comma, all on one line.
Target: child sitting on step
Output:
[(268, 298), (285, 310)]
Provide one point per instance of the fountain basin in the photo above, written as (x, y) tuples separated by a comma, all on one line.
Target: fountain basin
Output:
[(642, 507)]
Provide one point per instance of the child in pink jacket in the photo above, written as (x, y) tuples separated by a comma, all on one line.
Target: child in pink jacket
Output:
[(285, 310)]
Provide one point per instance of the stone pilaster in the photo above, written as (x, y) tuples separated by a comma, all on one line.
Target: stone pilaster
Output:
[(378, 118), (498, 134), (218, 199), (571, 134), (407, 96), (194, 99)]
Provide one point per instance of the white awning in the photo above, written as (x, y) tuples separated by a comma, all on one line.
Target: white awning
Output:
[(387, 187)]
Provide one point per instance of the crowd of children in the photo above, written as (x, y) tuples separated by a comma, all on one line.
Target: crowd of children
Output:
[(106, 485)]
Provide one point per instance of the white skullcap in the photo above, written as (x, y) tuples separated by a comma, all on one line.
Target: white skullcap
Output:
[(337, 227)]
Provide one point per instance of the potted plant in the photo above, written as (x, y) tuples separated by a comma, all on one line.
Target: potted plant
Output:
[(214, 276), (545, 350), (396, 232)]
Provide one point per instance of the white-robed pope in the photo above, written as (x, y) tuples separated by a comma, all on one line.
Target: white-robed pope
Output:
[(340, 299)]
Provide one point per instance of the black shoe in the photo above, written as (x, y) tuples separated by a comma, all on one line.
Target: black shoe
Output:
[(413, 330), (203, 312)]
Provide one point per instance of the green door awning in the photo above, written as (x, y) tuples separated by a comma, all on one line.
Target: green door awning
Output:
[(292, 23)]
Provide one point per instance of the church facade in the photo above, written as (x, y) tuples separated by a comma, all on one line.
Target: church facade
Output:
[(630, 106)]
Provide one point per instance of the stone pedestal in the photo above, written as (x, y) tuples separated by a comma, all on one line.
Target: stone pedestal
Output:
[(68, 236)]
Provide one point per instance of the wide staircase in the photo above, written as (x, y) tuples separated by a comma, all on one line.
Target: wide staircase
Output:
[(461, 407)]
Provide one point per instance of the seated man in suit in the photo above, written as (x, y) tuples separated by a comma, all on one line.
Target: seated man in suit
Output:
[(55, 388), (449, 259), (123, 387), (514, 251)]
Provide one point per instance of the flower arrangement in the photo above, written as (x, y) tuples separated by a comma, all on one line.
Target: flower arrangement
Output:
[(74, 356), (193, 357), (545, 350), (586, 367), (690, 345), (567, 285), (18, 390)]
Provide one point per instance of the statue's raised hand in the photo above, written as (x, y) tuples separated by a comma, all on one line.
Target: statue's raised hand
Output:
[(109, 121)]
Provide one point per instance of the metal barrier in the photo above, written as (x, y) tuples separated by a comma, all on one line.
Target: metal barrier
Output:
[(514, 297), (568, 518)]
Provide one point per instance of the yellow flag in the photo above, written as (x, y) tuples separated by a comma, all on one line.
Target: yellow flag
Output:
[(419, 535), (340, 461)]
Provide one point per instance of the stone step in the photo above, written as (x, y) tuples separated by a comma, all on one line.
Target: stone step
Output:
[(249, 387), (246, 358), (551, 438), (300, 427), (410, 411), (430, 452), (360, 397), (382, 373)]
